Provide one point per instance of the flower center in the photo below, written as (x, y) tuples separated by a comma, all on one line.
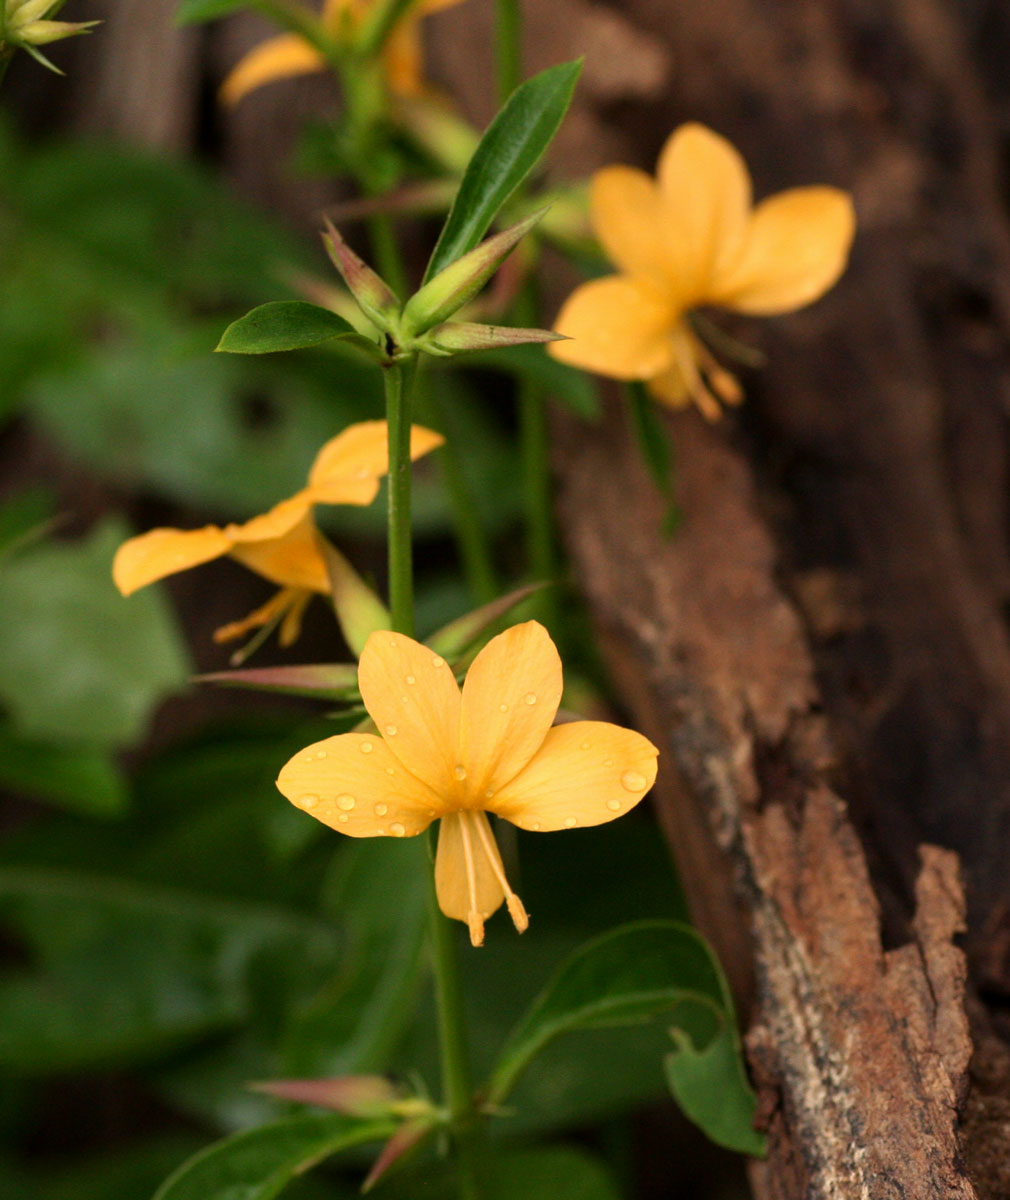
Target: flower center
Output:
[(480, 852)]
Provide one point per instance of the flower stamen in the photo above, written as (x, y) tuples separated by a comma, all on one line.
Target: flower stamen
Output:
[(517, 910), (474, 919)]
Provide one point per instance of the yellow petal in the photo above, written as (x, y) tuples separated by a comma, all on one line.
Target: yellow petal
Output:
[(353, 783), (292, 560), (618, 327), (162, 552), (631, 222), (510, 698), (468, 887), (358, 458), (412, 696), (706, 195), (278, 58), (796, 247), (586, 772), (273, 524)]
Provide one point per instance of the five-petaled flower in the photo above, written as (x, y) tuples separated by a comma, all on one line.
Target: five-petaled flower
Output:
[(282, 544), (689, 239), (459, 755), (288, 54)]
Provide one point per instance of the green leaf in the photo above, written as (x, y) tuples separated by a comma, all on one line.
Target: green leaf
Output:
[(257, 1164), (712, 1088), (634, 974), (656, 448), (510, 148), (283, 325), (123, 972), (77, 661), (190, 12), (82, 779)]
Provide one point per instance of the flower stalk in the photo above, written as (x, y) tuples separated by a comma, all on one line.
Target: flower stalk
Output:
[(399, 377)]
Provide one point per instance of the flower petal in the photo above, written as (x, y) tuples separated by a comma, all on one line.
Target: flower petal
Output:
[(510, 698), (618, 327), (466, 883), (277, 58), (632, 224), (706, 195), (292, 560), (162, 552), (412, 695), (796, 247), (586, 773), (274, 523), (353, 783), (351, 464)]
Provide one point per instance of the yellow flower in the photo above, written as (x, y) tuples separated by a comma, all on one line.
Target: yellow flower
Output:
[(458, 756), (289, 55), (691, 238), (280, 545)]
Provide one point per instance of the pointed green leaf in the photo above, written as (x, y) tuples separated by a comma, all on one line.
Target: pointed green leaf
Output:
[(283, 325), (323, 681), (510, 148), (454, 640), (257, 1164)]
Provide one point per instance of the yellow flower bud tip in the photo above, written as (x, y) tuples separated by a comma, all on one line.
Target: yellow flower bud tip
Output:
[(374, 296), (691, 238), (440, 753), (452, 287)]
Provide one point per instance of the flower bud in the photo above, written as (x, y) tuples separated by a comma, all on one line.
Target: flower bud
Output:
[(454, 337), (374, 296)]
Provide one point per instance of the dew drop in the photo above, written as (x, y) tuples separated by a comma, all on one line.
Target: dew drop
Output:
[(403, 699), (614, 805), (309, 758), (366, 747), (571, 822), (437, 661), (320, 754), (390, 770), (391, 730), (392, 642), (459, 772), (584, 746), (535, 826), (310, 800), (503, 708), (530, 698), (411, 679), (362, 473), (397, 830), (381, 810), (608, 762), (343, 818), (633, 781), (346, 802), (489, 794)]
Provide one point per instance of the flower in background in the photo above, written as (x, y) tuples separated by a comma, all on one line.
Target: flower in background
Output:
[(687, 239), (27, 23), (289, 54), (457, 756), (281, 545)]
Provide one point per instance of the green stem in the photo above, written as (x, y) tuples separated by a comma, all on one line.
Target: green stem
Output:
[(399, 377), (457, 1077), (508, 46)]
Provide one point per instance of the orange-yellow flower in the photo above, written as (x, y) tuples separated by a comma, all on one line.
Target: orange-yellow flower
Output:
[(288, 54), (456, 756), (281, 545), (687, 239)]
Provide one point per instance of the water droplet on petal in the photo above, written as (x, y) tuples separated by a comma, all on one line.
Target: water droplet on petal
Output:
[(392, 640), (343, 818), (397, 830), (571, 822), (391, 730), (390, 770), (614, 805), (608, 762), (309, 758), (310, 800), (403, 699), (366, 747), (320, 754), (381, 810), (634, 781), (503, 708), (530, 698), (584, 746), (411, 679), (437, 661), (346, 802), (459, 772), (489, 794), (535, 825)]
